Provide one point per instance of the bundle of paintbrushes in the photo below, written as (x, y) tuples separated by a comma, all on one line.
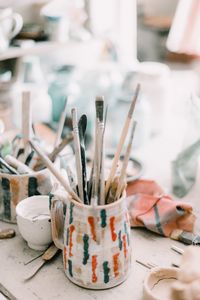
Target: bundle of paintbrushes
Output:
[(21, 159), (98, 190)]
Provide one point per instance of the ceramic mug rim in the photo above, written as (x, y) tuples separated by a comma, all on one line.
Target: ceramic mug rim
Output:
[(25, 175), (25, 202), (89, 207)]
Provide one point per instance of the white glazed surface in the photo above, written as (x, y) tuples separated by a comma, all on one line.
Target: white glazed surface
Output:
[(33, 220)]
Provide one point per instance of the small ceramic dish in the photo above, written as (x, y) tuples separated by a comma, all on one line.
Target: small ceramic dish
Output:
[(157, 284), (33, 220)]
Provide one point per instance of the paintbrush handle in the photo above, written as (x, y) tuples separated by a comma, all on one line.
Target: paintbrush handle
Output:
[(77, 153), (26, 116), (122, 140), (61, 125), (67, 140), (8, 167), (21, 168), (125, 164), (54, 171), (117, 155), (71, 179), (101, 165)]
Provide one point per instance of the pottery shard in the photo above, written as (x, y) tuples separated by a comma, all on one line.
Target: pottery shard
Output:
[(7, 233)]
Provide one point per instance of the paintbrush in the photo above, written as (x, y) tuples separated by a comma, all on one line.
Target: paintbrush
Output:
[(4, 164), (82, 125), (26, 122), (99, 106), (101, 171), (112, 191), (122, 176), (61, 125), (54, 171), (122, 140), (71, 179), (52, 156), (77, 150), (18, 165)]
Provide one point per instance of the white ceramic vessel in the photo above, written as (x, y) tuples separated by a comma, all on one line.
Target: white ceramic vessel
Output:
[(33, 219)]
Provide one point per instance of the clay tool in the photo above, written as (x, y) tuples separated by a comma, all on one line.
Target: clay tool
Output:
[(122, 140), (18, 165), (47, 256), (7, 233), (177, 249), (61, 125), (71, 179), (125, 164), (54, 171), (82, 125), (77, 150), (4, 164)]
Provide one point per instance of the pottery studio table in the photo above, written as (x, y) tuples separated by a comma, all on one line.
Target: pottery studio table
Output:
[(51, 283)]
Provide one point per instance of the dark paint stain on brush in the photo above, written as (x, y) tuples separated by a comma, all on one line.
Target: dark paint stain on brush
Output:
[(6, 197)]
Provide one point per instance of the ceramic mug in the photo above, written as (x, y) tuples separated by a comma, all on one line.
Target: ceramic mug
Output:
[(14, 188), (95, 241), (10, 25)]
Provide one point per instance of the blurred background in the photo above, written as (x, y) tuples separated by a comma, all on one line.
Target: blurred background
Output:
[(85, 48)]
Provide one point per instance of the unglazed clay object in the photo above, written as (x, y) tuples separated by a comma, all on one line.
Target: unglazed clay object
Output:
[(14, 188), (157, 284), (188, 285), (33, 220), (96, 246)]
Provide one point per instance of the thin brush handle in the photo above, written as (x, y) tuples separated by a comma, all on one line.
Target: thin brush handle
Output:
[(121, 142), (125, 164), (82, 125), (26, 121), (26, 116), (54, 171), (100, 164), (71, 179), (8, 167), (21, 168), (77, 154), (67, 140), (61, 125)]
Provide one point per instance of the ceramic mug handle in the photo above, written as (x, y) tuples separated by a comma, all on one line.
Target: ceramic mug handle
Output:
[(18, 23), (57, 222)]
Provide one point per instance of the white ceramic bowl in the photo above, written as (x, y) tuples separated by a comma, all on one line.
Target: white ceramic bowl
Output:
[(33, 219)]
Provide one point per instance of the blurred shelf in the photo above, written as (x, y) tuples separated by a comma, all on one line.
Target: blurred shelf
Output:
[(71, 48)]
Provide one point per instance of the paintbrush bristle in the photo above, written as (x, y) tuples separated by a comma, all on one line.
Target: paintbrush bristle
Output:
[(99, 104)]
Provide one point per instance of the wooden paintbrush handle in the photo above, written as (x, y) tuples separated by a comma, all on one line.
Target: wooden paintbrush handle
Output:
[(77, 153), (54, 171), (122, 140)]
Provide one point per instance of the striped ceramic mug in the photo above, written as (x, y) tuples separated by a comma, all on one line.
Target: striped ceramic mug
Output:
[(14, 188), (95, 241)]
